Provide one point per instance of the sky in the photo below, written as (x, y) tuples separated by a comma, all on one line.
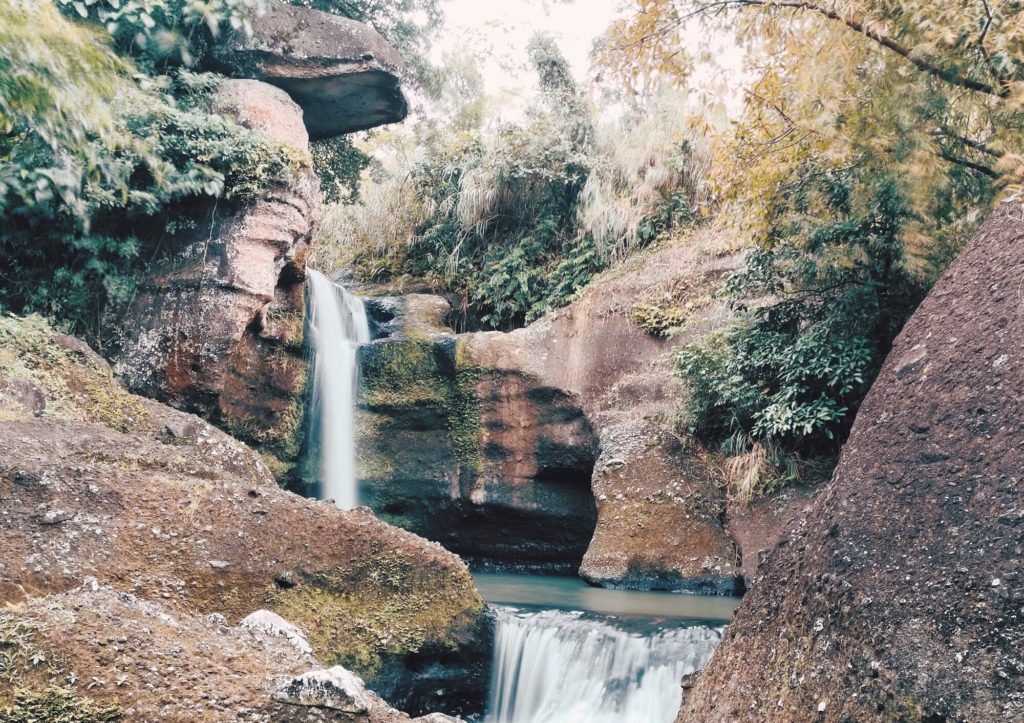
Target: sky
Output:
[(499, 30)]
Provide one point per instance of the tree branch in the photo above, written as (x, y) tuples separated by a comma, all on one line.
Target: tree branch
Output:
[(946, 155), (949, 75)]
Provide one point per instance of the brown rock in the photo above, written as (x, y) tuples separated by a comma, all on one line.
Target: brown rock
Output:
[(155, 663), (345, 75), (899, 597), (217, 325), (533, 410), (194, 520), (659, 516)]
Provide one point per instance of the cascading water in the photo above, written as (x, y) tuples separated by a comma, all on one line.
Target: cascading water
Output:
[(571, 667), (339, 325)]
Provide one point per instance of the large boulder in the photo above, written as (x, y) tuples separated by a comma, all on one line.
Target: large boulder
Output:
[(217, 325), (900, 596), (344, 74), (155, 502), (95, 654)]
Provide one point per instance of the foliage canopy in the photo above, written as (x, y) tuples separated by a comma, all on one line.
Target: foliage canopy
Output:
[(875, 135)]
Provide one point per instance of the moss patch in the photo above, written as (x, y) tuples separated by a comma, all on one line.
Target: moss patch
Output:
[(404, 374), (387, 608), (75, 384), (57, 705), (30, 677)]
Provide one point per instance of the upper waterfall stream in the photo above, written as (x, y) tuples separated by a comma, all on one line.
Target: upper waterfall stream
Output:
[(339, 325)]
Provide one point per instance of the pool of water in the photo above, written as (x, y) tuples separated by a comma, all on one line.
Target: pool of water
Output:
[(570, 593)]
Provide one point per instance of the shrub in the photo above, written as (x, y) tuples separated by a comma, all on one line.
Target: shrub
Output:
[(817, 317)]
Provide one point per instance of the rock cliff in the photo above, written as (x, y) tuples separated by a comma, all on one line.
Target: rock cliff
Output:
[(557, 439), (97, 482), (899, 596), (216, 328)]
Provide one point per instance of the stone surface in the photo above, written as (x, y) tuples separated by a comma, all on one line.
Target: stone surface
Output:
[(273, 624), (899, 596), (334, 688), (156, 663), (660, 515), (495, 466), (218, 323), (97, 486), (490, 440), (345, 75)]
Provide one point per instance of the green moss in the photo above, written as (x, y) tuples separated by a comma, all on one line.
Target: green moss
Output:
[(389, 606), (75, 386), (403, 374), (56, 705), (428, 372), (462, 410), (278, 437), (29, 675)]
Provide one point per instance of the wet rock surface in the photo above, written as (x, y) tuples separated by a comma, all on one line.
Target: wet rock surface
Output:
[(899, 596)]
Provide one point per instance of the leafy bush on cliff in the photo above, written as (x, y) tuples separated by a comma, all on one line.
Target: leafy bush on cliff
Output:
[(873, 138), (817, 314), (100, 163)]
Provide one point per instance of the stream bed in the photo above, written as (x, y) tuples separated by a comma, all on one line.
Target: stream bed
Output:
[(566, 652)]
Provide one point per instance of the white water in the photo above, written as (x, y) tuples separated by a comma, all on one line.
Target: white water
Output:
[(339, 325), (570, 667)]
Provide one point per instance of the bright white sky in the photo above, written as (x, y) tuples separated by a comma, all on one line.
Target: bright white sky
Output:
[(499, 31)]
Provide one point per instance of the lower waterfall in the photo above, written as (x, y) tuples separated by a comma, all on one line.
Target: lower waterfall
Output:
[(572, 667), (337, 320)]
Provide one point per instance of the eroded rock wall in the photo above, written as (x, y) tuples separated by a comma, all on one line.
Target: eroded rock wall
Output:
[(899, 596), (562, 438)]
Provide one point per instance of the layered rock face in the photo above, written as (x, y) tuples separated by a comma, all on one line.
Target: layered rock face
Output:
[(344, 74), (96, 482), (217, 326), (536, 439), (900, 596)]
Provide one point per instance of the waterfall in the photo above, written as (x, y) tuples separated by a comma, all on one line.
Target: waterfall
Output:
[(572, 667), (337, 320)]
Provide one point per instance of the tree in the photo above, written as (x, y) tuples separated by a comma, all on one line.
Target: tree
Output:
[(875, 135)]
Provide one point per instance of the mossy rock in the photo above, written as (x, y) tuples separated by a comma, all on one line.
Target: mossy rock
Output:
[(389, 607), (405, 374), (72, 381)]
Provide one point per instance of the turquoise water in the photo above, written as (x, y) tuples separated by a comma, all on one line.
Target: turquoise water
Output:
[(570, 593)]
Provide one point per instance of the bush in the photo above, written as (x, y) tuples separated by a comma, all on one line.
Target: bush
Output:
[(517, 218), (100, 164), (818, 312)]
